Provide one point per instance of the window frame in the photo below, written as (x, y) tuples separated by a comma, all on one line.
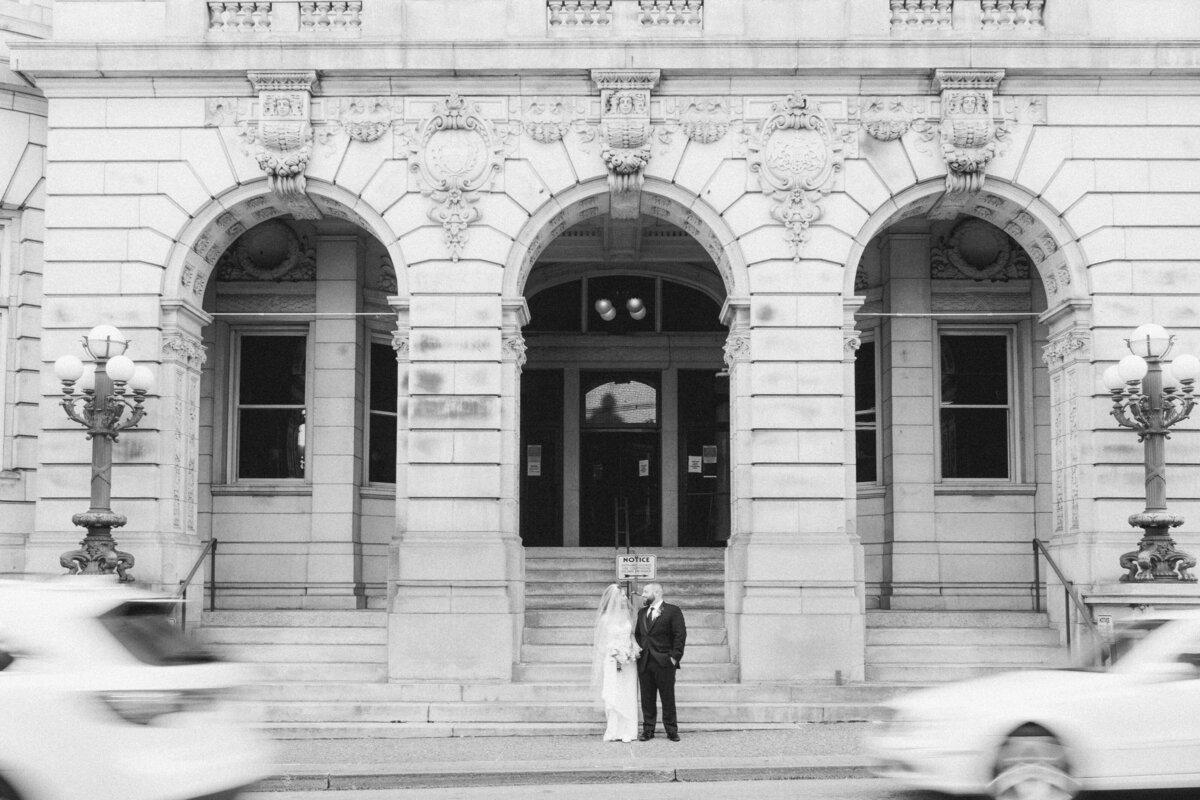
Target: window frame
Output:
[(869, 338), (233, 451), (375, 338), (9, 264), (1011, 334)]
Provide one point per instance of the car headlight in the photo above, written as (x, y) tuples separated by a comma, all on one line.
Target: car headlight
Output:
[(143, 707)]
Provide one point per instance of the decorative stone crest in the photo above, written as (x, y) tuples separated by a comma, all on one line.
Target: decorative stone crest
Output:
[(548, 119), (456, 153), (284, 135), (365, 119), (969, 133), (796, 155), (978, 251), (625, 130), (268, 252), (886, 118)]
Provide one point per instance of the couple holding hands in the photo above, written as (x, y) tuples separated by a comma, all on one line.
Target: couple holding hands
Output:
[(635, 651)]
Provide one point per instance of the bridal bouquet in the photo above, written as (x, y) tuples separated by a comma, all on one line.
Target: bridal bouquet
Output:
[(624, 654)]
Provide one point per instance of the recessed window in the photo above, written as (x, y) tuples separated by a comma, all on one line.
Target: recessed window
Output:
[(620, 401), (975, 414), (866, 419), (381, 423), (271, 407)]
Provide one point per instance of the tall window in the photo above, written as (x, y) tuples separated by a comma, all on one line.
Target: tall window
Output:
[(381, 423), (866, 420), (976, 405), (271, 405)]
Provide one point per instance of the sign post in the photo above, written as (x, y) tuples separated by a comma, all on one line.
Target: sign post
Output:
[(632, 567)]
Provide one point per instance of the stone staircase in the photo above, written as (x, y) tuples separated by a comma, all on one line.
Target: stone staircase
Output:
[(937, 646)]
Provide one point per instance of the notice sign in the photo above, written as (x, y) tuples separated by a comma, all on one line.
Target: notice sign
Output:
[(633, 566), (644, 468), (533, 460), (694, 464), (1104, 625)]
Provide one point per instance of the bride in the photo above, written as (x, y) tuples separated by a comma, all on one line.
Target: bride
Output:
[(614, 665)]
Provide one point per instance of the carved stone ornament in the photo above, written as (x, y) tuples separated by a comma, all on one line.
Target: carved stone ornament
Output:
[(457, 153), (400, 345), (184, 349), (1074, 345), (796, 155), (886, 118), (737, 348), (704, 120), (284, 135), (365, 119), (268, 252), (625, 129), (851, 343), (514, 349), (548, 119), (969, 134), (978, 251)]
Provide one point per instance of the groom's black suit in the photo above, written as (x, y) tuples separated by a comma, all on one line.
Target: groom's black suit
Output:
[(662, 641)]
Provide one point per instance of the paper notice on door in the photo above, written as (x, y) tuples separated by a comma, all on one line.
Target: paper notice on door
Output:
[(695, 464), (710, 454), (533, 460), (644, 468)]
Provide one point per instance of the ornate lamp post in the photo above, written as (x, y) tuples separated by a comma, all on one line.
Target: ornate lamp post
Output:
[(1149, 396), (102, 407)]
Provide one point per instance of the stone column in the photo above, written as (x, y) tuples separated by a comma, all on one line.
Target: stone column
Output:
[(456, 597), (334, 568), (909, 397)]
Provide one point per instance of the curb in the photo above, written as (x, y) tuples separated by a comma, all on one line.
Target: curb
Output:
[(313, 782)]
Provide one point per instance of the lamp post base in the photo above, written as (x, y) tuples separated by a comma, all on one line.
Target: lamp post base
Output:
[(98, 553), (1157, 558)]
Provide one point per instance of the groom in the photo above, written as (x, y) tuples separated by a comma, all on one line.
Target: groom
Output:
[(661, 634)]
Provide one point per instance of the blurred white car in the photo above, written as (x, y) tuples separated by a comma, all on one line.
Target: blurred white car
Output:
[(101, 698), (1053, 734)]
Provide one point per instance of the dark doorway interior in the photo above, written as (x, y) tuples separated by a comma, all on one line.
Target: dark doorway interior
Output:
[(620, 489)]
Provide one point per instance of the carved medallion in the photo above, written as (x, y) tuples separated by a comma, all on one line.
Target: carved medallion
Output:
[(268, 252), (978, 251), (796, 155)]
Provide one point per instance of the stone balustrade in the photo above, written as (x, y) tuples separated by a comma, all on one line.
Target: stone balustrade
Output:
[(599, 13), (273, 16), (922, 14), (1012, 13)]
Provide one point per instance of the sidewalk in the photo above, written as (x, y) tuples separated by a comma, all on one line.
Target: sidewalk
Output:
[(811, 750)]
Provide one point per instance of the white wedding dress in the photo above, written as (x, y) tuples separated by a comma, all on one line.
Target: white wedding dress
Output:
[(619, 688)]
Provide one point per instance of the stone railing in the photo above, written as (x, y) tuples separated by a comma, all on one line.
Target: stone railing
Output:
[(1012, 13), (928, 15), (285, 16), (599, 13)]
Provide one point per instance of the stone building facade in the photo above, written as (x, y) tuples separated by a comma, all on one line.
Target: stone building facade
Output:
[(882, 253)]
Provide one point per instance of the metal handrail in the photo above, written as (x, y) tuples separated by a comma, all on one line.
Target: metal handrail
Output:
[(1071, 597), (210, 547)]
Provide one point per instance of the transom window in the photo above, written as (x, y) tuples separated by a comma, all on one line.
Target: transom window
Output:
[(975, 410)]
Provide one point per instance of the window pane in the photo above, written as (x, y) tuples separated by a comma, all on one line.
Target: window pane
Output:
[(272, 370), (383, 378), (556, 309), (975, 370), (619, 290), (381, 454), (271, 443), (864, 383), (974, 443), (618, 403), (688, 309), (866, 466)]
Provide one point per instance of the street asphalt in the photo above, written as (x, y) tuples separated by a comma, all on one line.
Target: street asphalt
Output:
[(811, 750)]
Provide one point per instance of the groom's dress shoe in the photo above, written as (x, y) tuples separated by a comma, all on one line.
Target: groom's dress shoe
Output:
[(674, 737), (645, 737)]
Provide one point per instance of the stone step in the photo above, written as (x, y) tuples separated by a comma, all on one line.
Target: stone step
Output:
[(307, 653), (571, 618), (606, 575), (1045, 637), (333, 671), (554, 712), (925, 674), (269, 636), (1014, 655), (680, 592), (713, 602), (292, 619), (562, 692), (581, 673), (582, 654), (442, 730), (584, 636), (956, 619)]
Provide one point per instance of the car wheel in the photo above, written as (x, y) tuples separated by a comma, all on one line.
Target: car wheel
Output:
[(1032, 765)]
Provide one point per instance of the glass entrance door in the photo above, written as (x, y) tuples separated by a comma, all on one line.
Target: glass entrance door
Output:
[(620, 489)]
